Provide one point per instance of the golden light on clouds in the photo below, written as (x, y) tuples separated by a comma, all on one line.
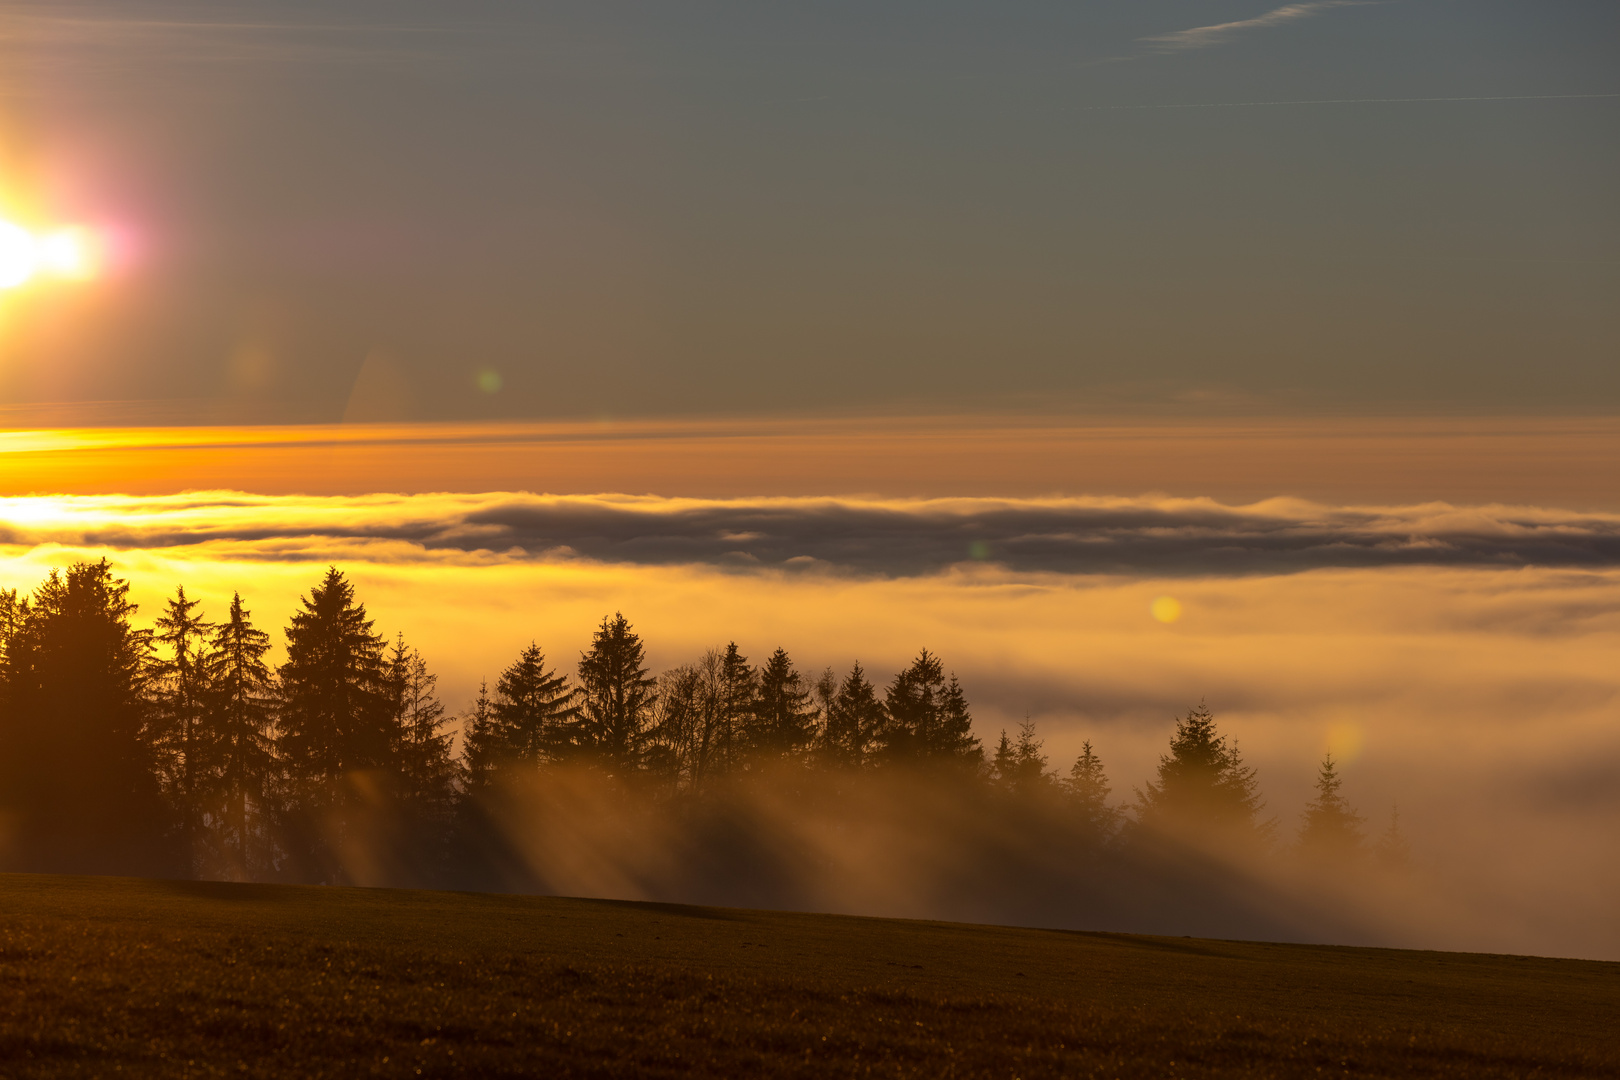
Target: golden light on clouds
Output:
[(1480, 699)]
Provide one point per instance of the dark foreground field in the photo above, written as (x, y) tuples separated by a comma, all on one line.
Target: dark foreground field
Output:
[(102, 976)]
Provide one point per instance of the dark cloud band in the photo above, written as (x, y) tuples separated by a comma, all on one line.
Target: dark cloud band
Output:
[(894, 538)]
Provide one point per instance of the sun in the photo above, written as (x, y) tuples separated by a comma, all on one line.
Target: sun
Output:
[(70, 253), (18, 258)]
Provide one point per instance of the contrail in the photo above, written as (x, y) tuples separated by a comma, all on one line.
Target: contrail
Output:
[(1350, 101)]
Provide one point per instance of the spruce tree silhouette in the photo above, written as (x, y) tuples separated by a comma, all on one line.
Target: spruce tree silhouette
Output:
[(738, 687), (79, 771), (334, 730), (1393, 851), (427, 775), (1203, 787), (534, 710), (421, 750), (1332, 828), (14, 613), (179, 695), (1020, 766), (1004, 762), (783, 725), (483, 742), (928, 719), (13, 610), (616, 698), (1088, 790), (855, 720), (345, 750), (526, 723), (240, 769)]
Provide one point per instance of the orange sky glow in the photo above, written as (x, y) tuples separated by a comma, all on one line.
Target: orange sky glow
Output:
[(1565, 462)]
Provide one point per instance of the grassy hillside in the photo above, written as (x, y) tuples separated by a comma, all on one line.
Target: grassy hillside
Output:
[(103, 976)]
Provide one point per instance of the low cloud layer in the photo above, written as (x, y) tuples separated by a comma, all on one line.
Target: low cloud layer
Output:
[(1458, 662), (892, 538)]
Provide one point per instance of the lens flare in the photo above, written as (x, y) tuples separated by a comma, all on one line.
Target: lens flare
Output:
[(1344, 742), (19, 255), (1167, 609), (72, 253)]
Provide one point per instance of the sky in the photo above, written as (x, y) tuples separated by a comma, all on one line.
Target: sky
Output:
[(404, 210), (1126, 355)]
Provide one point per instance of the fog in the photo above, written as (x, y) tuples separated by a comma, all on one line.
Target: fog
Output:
[(918, 845), (1482, 699)]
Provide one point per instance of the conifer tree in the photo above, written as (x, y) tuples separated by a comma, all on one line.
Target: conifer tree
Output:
[(616, 698), (534, 710), (783, 724), (180, 692), (738, 687), (77, 768), (1029, 768), (953, 737), (1202, 784), (13, 619), (1004, 762), (335, 723), (855, 721), (237, 719), (421, 750), (483, 743), (1019, 765), (928, 719), (1088, 790), (427, 775), (13, 614), (1393, 851), (1331, 829)]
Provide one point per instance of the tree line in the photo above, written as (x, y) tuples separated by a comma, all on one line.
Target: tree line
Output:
[(180, 749)]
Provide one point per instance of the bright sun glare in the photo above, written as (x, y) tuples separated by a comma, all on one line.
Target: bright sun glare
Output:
[(64, 253)]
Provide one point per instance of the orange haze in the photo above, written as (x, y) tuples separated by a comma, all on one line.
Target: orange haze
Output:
[(1569, 463)]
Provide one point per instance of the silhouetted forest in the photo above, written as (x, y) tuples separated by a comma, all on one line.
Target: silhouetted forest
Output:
[(179, 750)]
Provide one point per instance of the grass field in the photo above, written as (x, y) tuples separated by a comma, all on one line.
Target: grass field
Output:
[(108, 977)]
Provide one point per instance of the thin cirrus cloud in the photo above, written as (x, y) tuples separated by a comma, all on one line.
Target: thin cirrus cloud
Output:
[(1202, 37), (861, 537)]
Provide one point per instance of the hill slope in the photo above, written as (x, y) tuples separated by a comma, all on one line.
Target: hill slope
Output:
[(102, 975)]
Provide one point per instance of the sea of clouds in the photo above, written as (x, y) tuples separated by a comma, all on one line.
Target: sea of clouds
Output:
[(1459, 661)]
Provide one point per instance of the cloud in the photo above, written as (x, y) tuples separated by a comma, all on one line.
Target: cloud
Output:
[(1483, 698), (862, 537), (1202, 37)]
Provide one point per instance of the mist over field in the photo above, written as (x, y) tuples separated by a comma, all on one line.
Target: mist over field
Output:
[(1456, 661)]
